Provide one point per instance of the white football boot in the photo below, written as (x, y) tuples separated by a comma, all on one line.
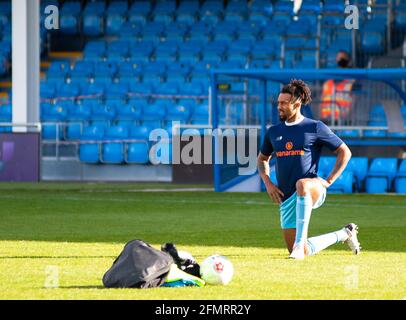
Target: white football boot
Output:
[(352, 241), (298, 252)]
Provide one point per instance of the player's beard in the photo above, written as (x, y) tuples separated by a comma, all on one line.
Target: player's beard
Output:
[(282, 117)]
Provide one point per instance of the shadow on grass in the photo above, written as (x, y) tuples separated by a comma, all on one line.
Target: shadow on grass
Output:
[(83, 287)]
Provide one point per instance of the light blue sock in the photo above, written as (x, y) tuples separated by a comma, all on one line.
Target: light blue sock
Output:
[(304, 206), (316, 244)]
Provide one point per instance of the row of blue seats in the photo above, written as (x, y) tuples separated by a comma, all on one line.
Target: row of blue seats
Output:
[(134, 109), (128, 87), (370, 133), (201, 44), (380, 176), (210, 7), (120, 145), (69, 119)]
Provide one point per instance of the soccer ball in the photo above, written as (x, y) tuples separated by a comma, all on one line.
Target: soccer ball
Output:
[(217, 270)]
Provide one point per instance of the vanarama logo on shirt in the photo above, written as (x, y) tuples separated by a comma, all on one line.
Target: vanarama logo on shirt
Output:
[(289, 152)]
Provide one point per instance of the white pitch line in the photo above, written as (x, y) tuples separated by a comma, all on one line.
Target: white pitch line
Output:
[(198, 201), (150, 190)]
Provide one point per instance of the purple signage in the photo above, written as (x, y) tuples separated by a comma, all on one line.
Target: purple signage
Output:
[(19, 157)]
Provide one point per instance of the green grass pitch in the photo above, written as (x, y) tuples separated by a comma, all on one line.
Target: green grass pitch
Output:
[(81, 228)]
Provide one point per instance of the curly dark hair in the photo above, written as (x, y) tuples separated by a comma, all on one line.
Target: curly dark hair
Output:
[(299, 90)]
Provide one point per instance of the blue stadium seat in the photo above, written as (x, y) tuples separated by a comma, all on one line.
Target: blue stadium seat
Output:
[(103, 81), (210, 12), (137, 17), (233, 17), (47, 90), (68, 90), (203, 38), (5, 13), (59, 68), (90, 145), (117, 91), (377, 113), (175, 35), (380, 175), (152, 79), (279, 23), (372, 42), (103, 112), (119, 49), (140, 88), (312, 6), (333, 6), (348, 133), (93, 18), (188, 18), (326, 165), (116, 17), (237, 57), (155, 68), (179, 113), (69, 17), (169, 88), (137, 152), (400, 181), (141, 7), (154, 28), (166, 51), (189, 56), (400, 19), (403, 111), (258, 17), (375, 133), (200, 114), (130, 68), (130, 31), (5, 113), (94, 50), (129, 112), (91, 90), (79, 112), (359, 166), (74, 130), (212, 57), (240, 46), (344, 183), (283, 7), (140, 132), (105, 69), (168, 7), (154, 113), (191, 89), (191, 6), (82, 69), (113, 150), (374, 25), (201, 27)]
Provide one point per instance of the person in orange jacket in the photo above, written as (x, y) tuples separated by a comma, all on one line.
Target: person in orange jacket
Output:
[(337, 97)]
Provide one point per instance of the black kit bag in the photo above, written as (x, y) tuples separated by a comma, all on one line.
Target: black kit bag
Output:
[(138, 266)]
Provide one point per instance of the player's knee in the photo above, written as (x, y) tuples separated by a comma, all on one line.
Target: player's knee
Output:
[(302, 187)]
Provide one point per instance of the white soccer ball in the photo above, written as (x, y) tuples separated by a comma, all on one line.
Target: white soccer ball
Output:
[(217, 270)]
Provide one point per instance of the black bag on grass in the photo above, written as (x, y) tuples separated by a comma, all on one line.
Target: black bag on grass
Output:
[(138, 266)]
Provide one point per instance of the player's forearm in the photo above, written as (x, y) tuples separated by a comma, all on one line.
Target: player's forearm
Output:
[(264, 170), (343, 156)]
